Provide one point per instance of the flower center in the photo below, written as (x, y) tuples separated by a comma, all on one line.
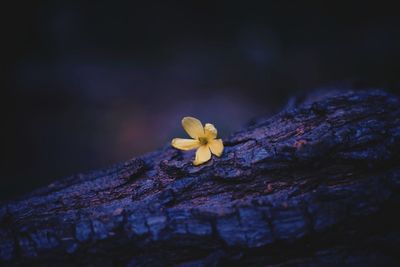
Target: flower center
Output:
[(203, 140)]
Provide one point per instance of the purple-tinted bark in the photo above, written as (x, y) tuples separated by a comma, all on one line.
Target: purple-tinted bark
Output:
[(315, 185)]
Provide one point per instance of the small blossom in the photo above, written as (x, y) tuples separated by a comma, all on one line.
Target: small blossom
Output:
[(204, 139)]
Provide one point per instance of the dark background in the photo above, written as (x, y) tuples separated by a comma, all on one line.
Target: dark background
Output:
[(88, 84)]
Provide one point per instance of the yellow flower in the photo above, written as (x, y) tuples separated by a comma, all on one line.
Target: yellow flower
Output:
[(204, 139)]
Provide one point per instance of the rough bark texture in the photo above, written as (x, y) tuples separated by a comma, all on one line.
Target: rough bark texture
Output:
[(316, 185)]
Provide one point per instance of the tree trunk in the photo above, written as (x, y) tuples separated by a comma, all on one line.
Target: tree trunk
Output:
[(316, 185)]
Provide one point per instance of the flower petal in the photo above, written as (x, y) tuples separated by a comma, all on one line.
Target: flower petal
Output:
[(185, 144), (193, 127), (210, 131), (203, 154), (216, 146)]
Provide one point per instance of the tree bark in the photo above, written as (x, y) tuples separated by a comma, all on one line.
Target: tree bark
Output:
[(315, 185)]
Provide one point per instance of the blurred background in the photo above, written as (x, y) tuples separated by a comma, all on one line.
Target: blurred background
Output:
[(92, 83)]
